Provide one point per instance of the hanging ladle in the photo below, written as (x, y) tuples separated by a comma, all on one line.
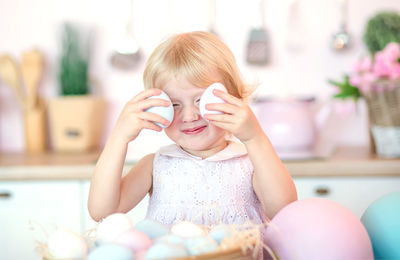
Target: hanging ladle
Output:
[(342, 39), (128, 53)]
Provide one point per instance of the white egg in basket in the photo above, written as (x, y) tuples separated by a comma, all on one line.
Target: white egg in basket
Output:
[(208, 97), (112, 226), (187, 229), (66, 244)]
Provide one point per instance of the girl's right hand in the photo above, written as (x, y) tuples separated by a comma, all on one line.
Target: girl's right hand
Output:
[(134, 118)]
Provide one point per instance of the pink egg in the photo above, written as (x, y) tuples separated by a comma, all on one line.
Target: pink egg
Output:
[(141, 254), (134, 239)]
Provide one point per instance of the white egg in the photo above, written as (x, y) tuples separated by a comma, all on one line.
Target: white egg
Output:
[(208, 97), (66, 244), (166, 112), (170, 239), (112, 226), (187, 229)]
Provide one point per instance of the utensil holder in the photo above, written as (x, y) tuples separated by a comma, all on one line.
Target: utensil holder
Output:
[(35, 129)]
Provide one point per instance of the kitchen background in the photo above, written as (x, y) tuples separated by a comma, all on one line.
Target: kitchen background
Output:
[(300, 37)]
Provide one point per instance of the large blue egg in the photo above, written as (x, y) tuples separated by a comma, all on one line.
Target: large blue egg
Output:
[(382, 221), (166, 112)]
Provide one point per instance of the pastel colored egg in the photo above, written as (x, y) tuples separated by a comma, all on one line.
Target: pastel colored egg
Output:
[(219, 232), (208, 97), (187, 229), (201, 245), (112, 226), (166, 112), (171, 239), (134, 239), (164, 250), (152, 228), (111, 252), (66, 244)]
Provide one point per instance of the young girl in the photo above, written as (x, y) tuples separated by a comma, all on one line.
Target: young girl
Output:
[(205, 177)]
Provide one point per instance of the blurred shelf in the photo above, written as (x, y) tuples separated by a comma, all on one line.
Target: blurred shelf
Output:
[(346, 161)]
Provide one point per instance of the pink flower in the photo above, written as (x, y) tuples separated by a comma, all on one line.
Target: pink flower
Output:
[(364, 64), (385, 65), (392, 52), (382, 66)]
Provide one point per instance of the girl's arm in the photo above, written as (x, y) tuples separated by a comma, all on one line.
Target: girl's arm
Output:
[(271, 181), (109, 193)]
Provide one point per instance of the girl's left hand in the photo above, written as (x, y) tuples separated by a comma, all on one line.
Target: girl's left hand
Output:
[(237, 117)]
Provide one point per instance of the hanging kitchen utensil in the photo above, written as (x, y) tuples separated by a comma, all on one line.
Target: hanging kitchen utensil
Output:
[(213, 17), (295, 28), (258, 45), (342, 39), (128, 53), (32, 69), (10, 75)]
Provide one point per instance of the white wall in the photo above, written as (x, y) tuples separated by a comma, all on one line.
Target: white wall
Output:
[(26, 24)]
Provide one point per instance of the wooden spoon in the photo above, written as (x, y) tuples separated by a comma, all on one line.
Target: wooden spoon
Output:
[(10, 75), (32, 69)]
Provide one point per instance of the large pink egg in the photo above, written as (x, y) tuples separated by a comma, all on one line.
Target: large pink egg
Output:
[(134, 239)]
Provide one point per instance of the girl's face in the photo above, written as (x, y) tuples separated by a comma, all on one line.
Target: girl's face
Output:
[(188, 129)]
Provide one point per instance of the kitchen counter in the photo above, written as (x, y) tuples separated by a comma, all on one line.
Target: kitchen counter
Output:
[(346, 161)]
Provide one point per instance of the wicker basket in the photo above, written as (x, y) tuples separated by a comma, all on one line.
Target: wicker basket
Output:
[(231, 254), (384, 114)]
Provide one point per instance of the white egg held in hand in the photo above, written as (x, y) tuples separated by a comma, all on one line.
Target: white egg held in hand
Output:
[(166, 112), (208, 97), (65, 244)]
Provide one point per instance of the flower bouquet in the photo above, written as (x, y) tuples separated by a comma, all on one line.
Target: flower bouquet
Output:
[(377, 79)]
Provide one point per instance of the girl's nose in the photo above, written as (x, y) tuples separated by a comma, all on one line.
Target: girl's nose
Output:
[(190, 114)]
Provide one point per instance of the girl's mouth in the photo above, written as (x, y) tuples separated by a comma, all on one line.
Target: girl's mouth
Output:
[(194, 130)]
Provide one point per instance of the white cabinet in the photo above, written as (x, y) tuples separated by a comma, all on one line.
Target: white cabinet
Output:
[(355, 193), (136, 214), (47, 204)]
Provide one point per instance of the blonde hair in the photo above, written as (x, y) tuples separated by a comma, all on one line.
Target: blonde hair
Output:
[(200, 57)]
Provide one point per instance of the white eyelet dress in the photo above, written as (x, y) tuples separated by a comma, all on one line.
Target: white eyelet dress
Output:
[(215, 190)]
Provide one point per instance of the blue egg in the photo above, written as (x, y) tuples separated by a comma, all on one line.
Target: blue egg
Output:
[(111, 252), (382, 221), (166, 112), (219, 232), (201, 245), (151, 228), (164, 250)]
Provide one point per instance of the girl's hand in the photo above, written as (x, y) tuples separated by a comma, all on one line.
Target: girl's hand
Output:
[(237, 117), (134, 118)]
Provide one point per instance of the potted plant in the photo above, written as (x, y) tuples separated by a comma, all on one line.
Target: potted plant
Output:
[(76, 116), (376, 78)]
